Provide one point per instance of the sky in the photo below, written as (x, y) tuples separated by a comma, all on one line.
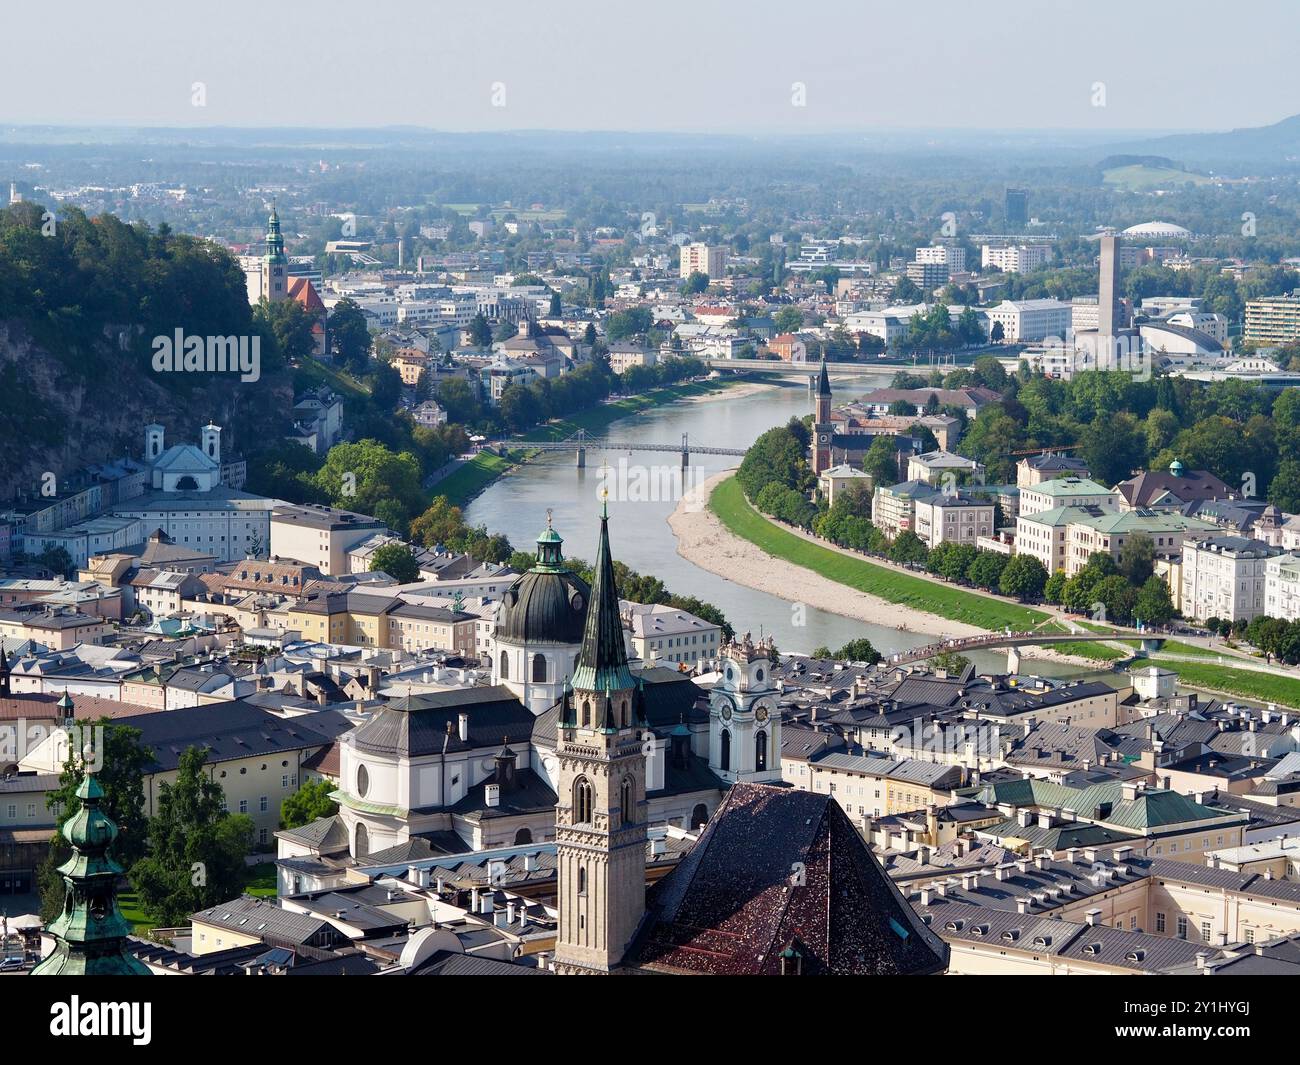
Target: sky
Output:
[(752, 67)]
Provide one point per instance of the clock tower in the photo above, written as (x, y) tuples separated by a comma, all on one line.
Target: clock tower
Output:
[(744, 719), (600, 818), (823, 430)]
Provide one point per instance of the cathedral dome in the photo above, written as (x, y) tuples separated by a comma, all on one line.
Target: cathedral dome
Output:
[(548, 604)]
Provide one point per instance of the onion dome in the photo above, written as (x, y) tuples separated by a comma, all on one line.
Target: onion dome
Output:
[(546, 605)]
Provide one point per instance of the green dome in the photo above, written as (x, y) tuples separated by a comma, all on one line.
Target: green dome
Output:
[(548, 604)]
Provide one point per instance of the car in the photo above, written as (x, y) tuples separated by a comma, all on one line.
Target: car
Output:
[(11, 963)]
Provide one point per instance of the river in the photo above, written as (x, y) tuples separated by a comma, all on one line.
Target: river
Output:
[(517, 503)]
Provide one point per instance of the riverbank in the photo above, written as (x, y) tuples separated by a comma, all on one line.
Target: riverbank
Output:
[(729, 538), (703, 540), (461, 486)]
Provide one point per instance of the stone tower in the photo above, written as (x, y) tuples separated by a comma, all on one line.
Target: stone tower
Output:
[(90, 934), (822, 429), (744, 719), (275, 267), (600, 819)]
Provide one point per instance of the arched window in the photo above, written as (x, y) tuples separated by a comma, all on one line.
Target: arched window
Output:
[(700, 815), (363, 781), (505, 665), (522, 837), (586, 713), (725, 760), (582, 880), (629, 801), (581, 801), (760, 750), (362, 845), (539, 668)]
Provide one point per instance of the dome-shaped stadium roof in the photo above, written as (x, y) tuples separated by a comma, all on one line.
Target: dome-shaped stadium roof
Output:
[(546, 605), (1158, 229)]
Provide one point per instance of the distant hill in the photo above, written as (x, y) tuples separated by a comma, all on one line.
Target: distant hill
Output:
[(1255, 149)]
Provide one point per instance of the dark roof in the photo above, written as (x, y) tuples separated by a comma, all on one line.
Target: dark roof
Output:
[(444, 963), (733, 906), (231, 730), (546, 605), (419, 724), (528, 794)]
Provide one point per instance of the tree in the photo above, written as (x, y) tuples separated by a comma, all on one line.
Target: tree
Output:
[(56, 559), (349, 334), (1024, 578), (859, 650), (196, 848), (123, 762), (397, 561), (881, 461), (695, 283), (1137, 559), (289, 325), (457, 397), (986, 569), (908, 547), (788, 320), (1054, 589), (440, 524), (358, 475), (1153, 605), (479, 333), (997, 333), (776, 456), (309, 803)]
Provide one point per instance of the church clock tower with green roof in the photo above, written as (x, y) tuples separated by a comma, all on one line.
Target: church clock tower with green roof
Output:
[(275, 266), (600, 819), (91, 932)]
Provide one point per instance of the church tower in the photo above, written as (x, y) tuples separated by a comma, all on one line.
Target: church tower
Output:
[(823, 430), (275, 267), (600, 819), (744, 720), (90, 934)]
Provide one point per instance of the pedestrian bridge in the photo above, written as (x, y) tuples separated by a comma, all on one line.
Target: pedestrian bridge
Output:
[(579, 442), (1014, 640)]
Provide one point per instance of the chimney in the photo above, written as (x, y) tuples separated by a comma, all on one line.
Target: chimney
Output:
[(1071, 854), (1022, 904), (492, 794), (1002, 871), (1093, 916), (970, 881), (464, 728), (530, 863), (925, 896)]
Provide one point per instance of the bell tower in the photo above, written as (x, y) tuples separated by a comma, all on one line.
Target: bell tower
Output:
[(600, 819), (744, 719), (275, 267), (823, 430)]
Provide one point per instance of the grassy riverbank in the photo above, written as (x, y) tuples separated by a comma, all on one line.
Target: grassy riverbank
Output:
[(956, 604), (1266, 687), (464, 483)]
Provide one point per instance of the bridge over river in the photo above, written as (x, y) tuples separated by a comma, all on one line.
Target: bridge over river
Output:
[(1014, 640), (580, 441)]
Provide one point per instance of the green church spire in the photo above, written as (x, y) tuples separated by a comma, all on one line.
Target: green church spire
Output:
[(274, 241), (602, 662), (91, 932)]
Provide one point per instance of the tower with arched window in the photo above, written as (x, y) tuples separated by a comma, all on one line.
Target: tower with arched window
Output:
[(600, 819), (744, 718)]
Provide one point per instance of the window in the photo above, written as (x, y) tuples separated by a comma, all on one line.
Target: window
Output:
[(1160, 922), (539, 668), (1205, 931), (362, 845), (582, 880), (522, 837), (724, 760), (1181, 928), (760, 751), (628, 799), (243, 806), (284, 780), (699, 816), (363, 781), (262, 805), (505, 666), (581, 801)]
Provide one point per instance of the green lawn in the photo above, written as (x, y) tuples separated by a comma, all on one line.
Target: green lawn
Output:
[(733, 510), (312, 372), (1180, 648), (467, 481), (1263, 686)]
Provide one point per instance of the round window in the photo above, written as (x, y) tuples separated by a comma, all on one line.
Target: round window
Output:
[(363, 781)]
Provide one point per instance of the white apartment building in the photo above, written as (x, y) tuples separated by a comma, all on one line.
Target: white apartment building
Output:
[(1282, 586), (957, 517), (1044, 536), (702, 258), (953, 258), (663, 635), (1030, 320), (1063, 492), (1225, 577), (1015, 258)]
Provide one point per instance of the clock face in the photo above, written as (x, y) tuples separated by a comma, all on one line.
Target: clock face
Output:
[(726, 712), (761, 714), (823, 438)]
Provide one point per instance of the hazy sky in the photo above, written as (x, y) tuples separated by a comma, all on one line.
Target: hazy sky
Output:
[(666, 65)]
